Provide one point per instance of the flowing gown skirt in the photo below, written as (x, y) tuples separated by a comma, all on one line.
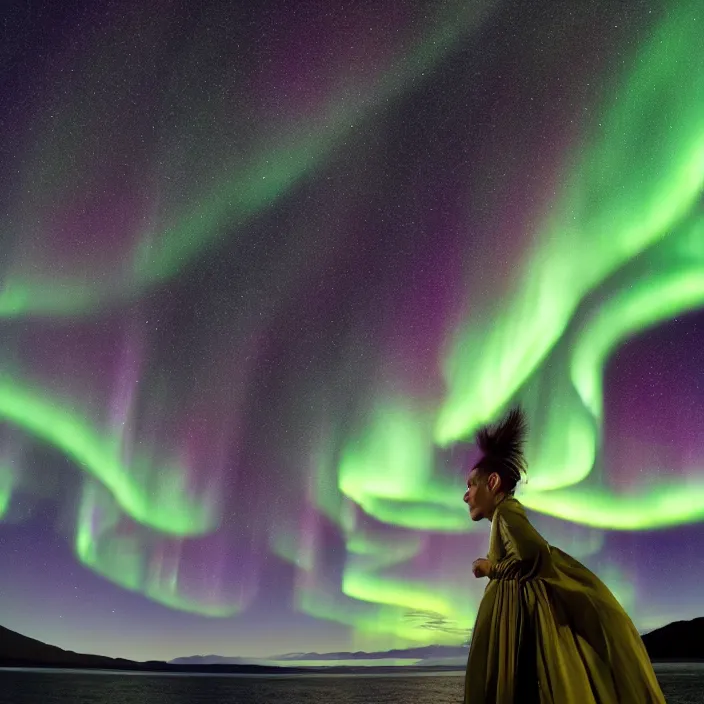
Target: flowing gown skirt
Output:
[(563, 639)]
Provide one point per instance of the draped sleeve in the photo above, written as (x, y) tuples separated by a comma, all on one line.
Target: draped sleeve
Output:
[(524, 551)]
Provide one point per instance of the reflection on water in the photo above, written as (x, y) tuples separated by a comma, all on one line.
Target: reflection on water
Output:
[(683, 683)]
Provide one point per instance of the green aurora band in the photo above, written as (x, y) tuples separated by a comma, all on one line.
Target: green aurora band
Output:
[(635, 180), (247, 188), (6, 485), (155, 496), (375, 597), (128, 560)]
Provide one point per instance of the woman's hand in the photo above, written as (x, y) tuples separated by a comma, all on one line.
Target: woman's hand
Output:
[(481, 567)]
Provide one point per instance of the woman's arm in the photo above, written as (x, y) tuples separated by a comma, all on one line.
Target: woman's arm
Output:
[(525, 549)]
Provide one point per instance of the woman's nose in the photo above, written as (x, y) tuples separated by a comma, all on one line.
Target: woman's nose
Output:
[(465, 498)]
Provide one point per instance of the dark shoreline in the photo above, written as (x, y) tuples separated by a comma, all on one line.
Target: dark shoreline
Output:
[(166, 668), (263, 670), (677, 643)]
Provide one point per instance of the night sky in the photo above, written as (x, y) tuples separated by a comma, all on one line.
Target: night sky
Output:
[(267, 266)]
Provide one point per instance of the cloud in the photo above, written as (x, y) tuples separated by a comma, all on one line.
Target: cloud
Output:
[(433, 621)]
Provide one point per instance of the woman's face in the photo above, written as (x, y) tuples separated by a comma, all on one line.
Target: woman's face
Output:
[(478, 497)]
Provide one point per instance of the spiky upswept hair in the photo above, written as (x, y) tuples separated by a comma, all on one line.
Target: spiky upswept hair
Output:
[(502, 448)]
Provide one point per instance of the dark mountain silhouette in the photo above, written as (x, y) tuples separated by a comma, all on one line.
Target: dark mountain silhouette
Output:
[(17, 650), (679, 641), (428, 651), (423, 655), (213, 660)]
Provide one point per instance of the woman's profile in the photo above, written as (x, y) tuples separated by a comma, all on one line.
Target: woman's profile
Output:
[(548, 630)]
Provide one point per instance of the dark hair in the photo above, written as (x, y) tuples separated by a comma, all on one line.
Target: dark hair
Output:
[(502, 449)]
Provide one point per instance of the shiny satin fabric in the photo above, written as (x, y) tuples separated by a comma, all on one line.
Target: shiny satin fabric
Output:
[(549, 631)]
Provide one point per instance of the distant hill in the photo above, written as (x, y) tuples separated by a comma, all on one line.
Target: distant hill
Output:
[(199, 660), (679, 641), (420, 655), (428, 651), (682, 640), (17, 650)]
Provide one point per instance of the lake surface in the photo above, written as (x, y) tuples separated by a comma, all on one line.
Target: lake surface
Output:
[(681, 683)]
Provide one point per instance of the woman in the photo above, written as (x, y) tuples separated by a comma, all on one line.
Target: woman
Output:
[(548, 630)]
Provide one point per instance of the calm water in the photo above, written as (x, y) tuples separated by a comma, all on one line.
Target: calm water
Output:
[(682, 684)]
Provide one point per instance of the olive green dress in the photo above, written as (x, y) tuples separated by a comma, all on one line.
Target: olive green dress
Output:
[(549, 631)]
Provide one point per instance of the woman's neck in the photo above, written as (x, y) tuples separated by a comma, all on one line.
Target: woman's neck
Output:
[(499, 498)]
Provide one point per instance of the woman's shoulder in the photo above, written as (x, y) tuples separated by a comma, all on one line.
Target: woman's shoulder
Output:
[(510, 506)]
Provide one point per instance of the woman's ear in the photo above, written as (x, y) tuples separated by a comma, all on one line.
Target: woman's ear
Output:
[(493, 481)]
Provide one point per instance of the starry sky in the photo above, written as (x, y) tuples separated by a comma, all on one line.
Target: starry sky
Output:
[(266, 267)]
